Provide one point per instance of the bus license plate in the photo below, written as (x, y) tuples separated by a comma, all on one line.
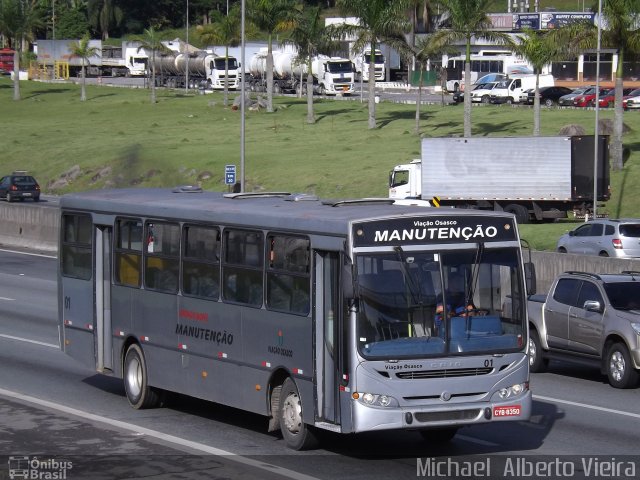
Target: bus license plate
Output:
[(507, 411)]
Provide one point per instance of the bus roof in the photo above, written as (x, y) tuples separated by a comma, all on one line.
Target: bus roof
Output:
[(304, 213)]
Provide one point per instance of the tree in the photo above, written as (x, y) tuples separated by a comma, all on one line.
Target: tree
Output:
[(379, 21), (71, 23), (468, 19), (428, 49), (225, 30), (104, 15), (18, 19), (311, 37), (619, 31), (539, 50), (152, 42), (84, 51), (271, 16)]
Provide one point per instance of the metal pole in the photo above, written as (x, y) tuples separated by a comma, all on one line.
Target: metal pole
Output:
[(186, 48), (242, 90), (53, 19), (597, 135)]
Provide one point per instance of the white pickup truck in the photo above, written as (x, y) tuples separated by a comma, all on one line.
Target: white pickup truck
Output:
[(590, 319)]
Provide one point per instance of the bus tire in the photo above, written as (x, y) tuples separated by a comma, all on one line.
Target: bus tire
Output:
[(439, 435), (296, 434), (136, 380)]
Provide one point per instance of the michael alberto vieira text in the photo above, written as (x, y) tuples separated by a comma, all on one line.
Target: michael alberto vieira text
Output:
[(536, 467)]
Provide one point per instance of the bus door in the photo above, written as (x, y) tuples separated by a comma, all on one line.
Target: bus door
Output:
[(103, 337), (327, 336)]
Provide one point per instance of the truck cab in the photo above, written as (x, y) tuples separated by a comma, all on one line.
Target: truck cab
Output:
[(362, 63), (334, 76), (405, 180)]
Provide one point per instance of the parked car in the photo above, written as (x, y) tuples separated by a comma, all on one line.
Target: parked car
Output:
[(632, 100), (588, 319), (567, 100), (19, 186), (549, 96), (587, 97), (608, 100), (458, 97), (482, 95), (606, 238)]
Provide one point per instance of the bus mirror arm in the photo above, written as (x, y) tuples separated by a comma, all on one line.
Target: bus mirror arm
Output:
[(347, 282)]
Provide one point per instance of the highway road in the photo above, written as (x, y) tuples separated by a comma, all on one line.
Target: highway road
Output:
[(53, 408)]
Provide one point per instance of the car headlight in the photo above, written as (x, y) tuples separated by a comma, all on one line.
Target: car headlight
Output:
[(375, 400), (513, 390)]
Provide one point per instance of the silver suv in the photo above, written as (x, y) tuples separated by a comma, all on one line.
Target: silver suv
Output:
[(607, 238)]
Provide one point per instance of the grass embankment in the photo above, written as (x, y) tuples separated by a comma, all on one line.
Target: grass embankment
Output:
[(117, 138)]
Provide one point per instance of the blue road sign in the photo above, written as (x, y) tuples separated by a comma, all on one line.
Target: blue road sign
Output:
[(229, 174)]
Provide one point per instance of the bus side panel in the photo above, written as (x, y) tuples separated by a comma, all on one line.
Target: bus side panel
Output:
[(122, 299), (78, 320)]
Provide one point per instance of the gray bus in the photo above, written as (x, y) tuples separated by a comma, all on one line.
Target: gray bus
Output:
[(347, 316)]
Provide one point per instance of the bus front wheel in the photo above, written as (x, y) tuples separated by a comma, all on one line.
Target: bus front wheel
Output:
[(136, 386), (297, 435)]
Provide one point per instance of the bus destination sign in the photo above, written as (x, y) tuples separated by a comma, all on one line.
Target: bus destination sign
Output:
[(433, 230)]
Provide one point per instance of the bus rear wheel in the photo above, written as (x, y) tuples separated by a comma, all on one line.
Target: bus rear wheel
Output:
[(297, 435), (136, 381)]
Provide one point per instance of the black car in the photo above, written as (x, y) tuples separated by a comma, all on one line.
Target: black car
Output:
[(19, 186), (548, 95)]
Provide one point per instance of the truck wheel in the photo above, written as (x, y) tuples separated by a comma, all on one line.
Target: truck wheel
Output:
[(537, 363), (136, 386), (620, 368), (520, 211), (297, 435)]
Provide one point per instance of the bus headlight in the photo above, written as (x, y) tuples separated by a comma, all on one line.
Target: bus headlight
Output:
[(513, 390), (375, 400)]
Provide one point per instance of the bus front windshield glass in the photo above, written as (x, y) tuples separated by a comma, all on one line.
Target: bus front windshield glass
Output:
[(429, 304)]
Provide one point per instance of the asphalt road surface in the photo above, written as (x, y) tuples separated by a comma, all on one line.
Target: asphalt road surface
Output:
[(61, 414)]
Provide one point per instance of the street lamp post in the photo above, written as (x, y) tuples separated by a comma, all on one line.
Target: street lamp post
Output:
[(597, 133), (242, 90), (186, 48)]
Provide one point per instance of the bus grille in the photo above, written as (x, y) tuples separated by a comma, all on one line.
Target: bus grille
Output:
[(427, 417), (444, 373)]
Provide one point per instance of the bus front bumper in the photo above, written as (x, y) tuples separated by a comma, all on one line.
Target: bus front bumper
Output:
[(367, 418)]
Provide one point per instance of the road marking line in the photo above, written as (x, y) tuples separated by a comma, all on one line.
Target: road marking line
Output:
[(8, 299), (28, 253), (584, 405), (285, 472), (20, 339)]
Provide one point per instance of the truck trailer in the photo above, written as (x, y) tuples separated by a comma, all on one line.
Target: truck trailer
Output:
[(199, 68), (535, 178), (331, 75), (126, 60)]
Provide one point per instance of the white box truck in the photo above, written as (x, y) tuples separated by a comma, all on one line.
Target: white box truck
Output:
[(535, 178)]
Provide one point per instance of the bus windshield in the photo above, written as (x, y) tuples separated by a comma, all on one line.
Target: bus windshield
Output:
[(425, 304)]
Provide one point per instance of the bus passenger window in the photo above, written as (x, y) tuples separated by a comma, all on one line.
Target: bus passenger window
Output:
[(201, 262), (76, 249), (128, 252), (288, 274), (243, 253), (162, 257)]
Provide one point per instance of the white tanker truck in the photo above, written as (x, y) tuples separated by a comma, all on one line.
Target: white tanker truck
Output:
[(204, 69), (331, 75)]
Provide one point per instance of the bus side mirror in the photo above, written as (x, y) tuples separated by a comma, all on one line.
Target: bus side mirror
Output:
[(530, 278)]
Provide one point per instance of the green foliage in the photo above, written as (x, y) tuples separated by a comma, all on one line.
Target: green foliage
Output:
[(118, 139)]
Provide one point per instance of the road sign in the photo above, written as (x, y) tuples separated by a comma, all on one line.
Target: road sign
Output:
[(229, 174)]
